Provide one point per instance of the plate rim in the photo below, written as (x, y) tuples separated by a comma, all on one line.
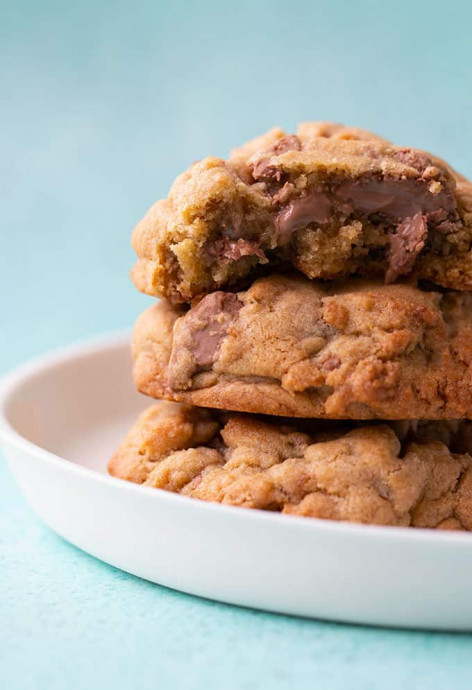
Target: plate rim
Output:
[(11, 382)]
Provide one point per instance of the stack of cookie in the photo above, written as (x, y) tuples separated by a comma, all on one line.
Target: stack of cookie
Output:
[(315, 332)]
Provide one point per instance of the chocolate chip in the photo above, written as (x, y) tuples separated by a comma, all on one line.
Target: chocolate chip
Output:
[(288, 143), (265, 171), (228, 250), (209, 322), (406, 243), (282, 196), (416, 159)]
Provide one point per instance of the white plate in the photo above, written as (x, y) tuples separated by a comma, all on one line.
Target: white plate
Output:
[(62, 417)]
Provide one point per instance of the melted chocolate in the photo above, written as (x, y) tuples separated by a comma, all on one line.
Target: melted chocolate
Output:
[(407, 207), (395, 198), (313, 208)]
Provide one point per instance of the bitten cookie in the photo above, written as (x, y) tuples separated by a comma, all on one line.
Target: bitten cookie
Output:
[(294, 347), (331, 201), (374, 474)]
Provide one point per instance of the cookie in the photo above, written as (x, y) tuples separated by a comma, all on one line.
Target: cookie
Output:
[(330, 201), (367, 474), (294, 347)]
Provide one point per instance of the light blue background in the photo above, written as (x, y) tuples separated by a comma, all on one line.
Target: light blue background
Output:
[(102, 104)]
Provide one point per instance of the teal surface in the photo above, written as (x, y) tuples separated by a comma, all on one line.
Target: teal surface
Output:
[(102, 104)]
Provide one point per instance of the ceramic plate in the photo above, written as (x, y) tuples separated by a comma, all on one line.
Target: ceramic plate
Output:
[(62, 417)]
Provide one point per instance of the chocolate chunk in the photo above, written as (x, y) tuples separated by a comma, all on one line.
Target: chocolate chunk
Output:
[(282, 196), (288, 143), (442, 223), (209, 323), (313, 208), (419, 160), (268, 172), (264, 170), (406, 243), (228, 250)]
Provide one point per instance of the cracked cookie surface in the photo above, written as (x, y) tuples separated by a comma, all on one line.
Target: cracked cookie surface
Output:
[(399, 474), (331, 201), (294, 347)]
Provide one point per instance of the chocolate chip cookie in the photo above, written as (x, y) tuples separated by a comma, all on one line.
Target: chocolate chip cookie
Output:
[(295, 347), (376, 474), (330, 201)]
